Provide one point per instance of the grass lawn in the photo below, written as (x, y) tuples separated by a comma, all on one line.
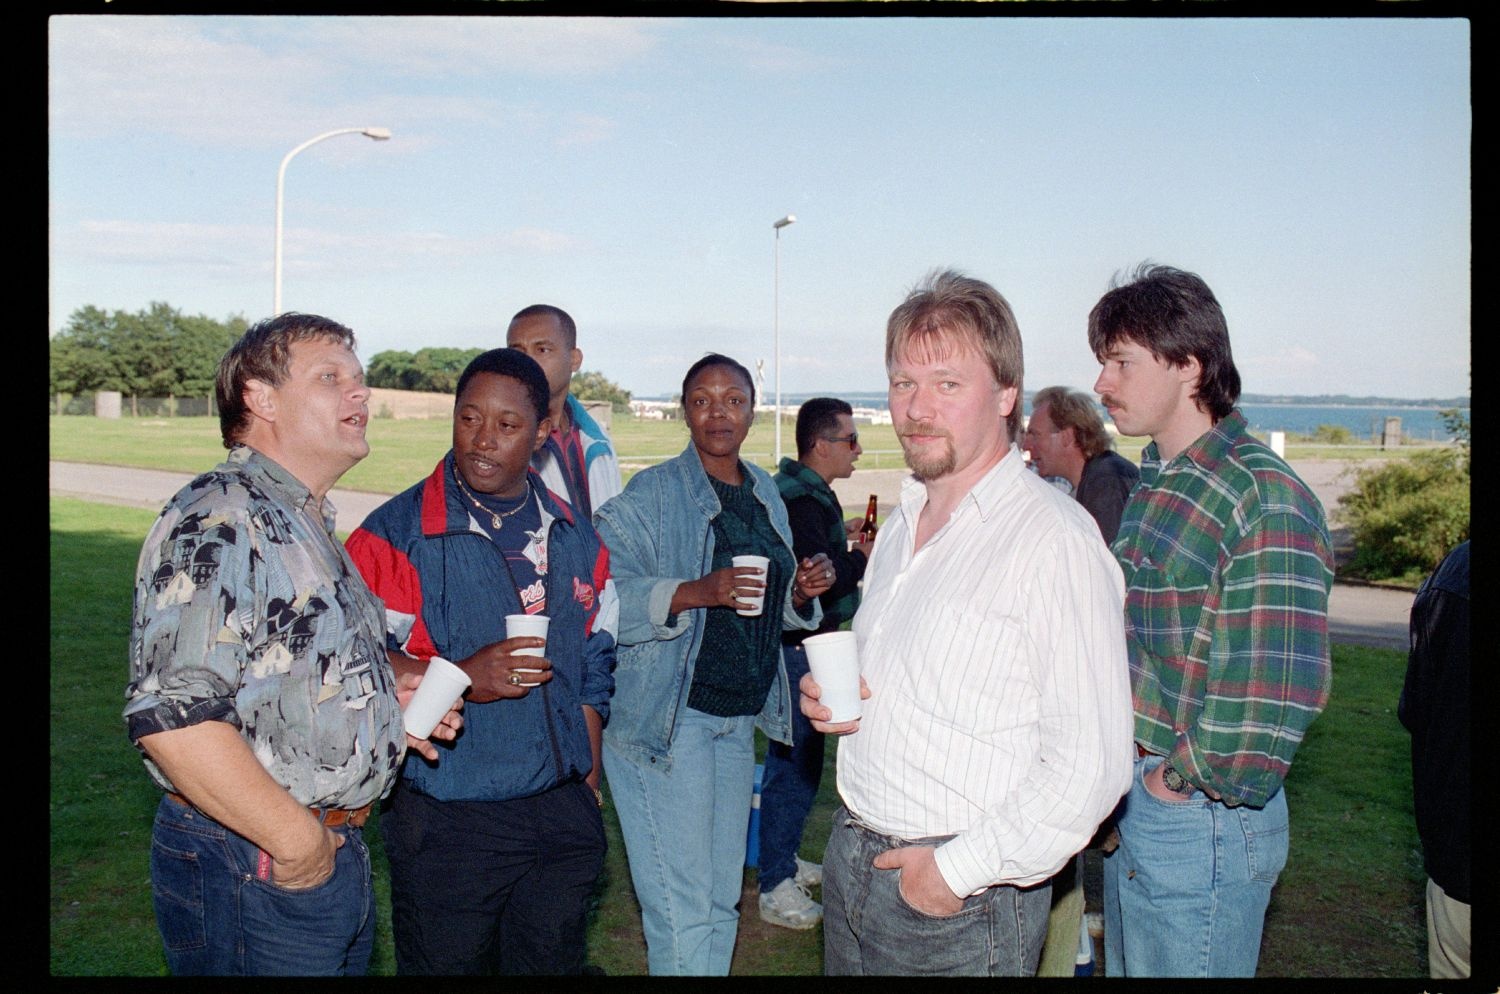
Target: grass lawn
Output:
[(1349, 903), (402, 451)]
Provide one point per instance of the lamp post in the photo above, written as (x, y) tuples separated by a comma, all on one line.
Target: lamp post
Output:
[(379, 134), (776, 322)]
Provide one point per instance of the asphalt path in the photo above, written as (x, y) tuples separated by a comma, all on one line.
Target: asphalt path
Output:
[(1358, 614)]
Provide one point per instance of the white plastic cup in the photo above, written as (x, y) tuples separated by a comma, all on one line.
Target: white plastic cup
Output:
[(757, 603), (527, 624), (441, 687), (833, 658)]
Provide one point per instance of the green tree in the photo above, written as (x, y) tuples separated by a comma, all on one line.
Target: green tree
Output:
[(155, 352), (434, 369), (389, 370), (589, 385)]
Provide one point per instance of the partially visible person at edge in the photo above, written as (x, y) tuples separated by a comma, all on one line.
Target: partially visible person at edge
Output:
[(577, 459), (261, 695), (1435, 708), (827, 446), (1066, 438), (494, 853), (695, 677), (1227, 572), (996, 734)]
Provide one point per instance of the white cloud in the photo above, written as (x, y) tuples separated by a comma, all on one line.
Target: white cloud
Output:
[(541, 46), (586, 129), (247, 81), (770, 57), (224, 248)]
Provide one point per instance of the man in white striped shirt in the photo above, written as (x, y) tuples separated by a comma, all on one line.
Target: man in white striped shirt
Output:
[(996, 732)]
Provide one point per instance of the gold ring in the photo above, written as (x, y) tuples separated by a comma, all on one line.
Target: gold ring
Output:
[(515, 679)]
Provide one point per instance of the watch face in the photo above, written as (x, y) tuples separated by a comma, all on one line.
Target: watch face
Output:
[(1174, 781)]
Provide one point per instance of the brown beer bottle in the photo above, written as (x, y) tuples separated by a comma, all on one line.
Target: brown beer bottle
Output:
[(868, 529)]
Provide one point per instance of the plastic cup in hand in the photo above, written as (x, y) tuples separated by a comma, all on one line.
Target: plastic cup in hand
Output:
[(527, 624), (753, 605), (833, 658), (441, 687)]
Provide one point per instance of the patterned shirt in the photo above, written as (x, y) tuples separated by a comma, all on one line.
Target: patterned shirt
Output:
[(1227, 572), (248, 611)]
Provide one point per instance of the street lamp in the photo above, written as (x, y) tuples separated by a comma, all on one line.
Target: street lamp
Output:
[(776, 323), (379, 134)]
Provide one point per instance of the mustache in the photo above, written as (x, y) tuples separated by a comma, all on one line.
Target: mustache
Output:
[(921, 428), (1108, 400)]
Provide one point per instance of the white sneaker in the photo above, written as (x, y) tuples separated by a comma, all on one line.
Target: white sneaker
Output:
[(789, 906), (808, 874)]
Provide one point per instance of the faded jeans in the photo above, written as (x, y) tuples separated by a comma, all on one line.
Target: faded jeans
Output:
[(684, 832), (1185, 894), (870, 929), (219, 914)]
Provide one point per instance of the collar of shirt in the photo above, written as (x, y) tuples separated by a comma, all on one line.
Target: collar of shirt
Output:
[(1207, 450), (276, 477), (986, 495)]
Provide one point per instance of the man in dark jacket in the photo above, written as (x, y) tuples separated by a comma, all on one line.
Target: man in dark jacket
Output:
[(827, 446), (494, 853), (1434, 707)]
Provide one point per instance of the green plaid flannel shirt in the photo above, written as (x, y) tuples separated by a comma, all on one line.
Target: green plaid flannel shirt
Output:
[(1227, 570)]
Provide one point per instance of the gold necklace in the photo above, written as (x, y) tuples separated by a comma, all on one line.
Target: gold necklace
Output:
[(497, 519)]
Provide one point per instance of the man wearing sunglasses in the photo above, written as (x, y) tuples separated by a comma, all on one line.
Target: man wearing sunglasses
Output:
[(827, 446)]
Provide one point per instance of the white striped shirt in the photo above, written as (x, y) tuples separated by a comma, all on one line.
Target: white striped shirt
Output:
[(1000, 706)]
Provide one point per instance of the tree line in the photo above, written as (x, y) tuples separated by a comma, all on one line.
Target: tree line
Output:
[(154, 352), (437, 369), (160, 352)]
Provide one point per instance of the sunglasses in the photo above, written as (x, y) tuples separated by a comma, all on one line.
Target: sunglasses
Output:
[(852, 438)]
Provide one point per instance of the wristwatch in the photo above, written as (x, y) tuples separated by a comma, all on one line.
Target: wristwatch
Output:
[(1174, 781)]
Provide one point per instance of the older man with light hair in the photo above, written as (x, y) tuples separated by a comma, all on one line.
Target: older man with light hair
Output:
[(1066, 437)]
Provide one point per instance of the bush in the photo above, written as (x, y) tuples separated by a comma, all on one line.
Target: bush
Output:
[(1407, 514), (1333, 435)]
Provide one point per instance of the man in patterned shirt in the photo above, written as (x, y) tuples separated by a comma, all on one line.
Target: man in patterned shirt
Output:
[(1227, 572), (261, 695)]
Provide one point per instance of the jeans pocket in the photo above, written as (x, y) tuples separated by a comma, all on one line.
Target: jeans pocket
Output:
[(177, 893), (1265, 848), (298, 929)]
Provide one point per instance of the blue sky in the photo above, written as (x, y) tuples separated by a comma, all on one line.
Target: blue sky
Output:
[(1314, 171)]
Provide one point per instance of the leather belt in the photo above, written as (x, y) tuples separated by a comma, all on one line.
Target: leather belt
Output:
[(331, 817)]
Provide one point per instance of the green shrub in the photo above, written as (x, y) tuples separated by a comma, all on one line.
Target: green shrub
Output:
[(1333, 435), (1407, 514)]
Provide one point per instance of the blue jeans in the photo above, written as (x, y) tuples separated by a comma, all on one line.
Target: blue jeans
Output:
[(219, 914), (1185, 894), (792, 776), (684, 832), (870, 929)]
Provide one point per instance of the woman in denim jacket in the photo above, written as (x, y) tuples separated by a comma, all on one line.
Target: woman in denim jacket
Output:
[(695, 677)]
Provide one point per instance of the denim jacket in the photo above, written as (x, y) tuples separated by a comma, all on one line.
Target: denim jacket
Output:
[(659, 536)]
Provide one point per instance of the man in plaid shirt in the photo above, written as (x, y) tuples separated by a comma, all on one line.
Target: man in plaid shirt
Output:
[(1227, 570)]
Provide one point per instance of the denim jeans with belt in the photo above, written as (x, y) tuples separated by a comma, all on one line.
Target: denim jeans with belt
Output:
[(793, 774), (870, 929), (684, 832), (1185, 893), (219, 913)]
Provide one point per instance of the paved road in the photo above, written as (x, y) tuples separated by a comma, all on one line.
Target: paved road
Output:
[(1357, 614)]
